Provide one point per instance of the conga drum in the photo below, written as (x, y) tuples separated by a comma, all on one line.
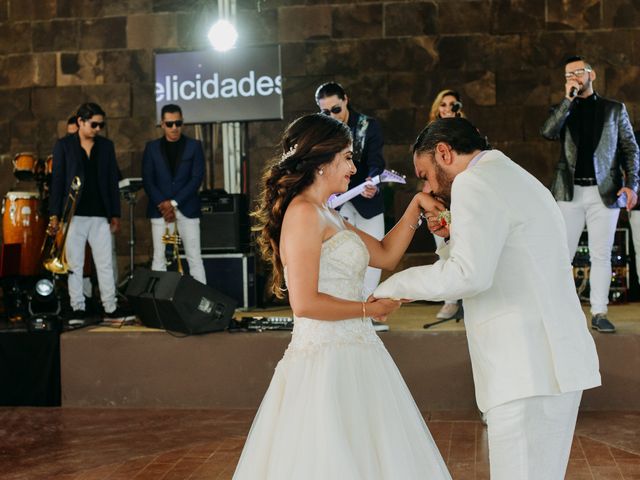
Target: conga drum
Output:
[(48, 165), (23, 223), (24, 165)]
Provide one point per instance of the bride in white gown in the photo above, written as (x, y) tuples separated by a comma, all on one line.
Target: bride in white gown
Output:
[(337, 407)]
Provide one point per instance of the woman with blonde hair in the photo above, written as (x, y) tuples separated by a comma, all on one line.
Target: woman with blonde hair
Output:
[(337, 406), (447, 104)]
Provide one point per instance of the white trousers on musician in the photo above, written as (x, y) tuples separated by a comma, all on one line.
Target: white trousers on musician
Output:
[(634, 221), (587, 207), (373, 226), (530, 438), (97, 232), (189, 229)]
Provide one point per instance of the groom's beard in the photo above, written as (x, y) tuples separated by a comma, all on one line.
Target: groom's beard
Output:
[(444, 186)]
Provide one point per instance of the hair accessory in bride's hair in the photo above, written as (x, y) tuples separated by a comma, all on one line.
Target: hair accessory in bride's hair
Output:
[(289, 153)]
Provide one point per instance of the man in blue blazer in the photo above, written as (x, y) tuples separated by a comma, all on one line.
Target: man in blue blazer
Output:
[(172, 172), (92, 158)]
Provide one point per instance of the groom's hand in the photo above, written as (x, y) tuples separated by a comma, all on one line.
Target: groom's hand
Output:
[(435, 227)]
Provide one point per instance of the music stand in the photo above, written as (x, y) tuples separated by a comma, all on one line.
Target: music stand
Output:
[(129, 188)]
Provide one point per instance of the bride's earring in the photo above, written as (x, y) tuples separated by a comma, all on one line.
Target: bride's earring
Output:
[(320, 171)]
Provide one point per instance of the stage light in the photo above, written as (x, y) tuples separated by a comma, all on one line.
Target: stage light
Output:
[(222, 35), (43, 300)]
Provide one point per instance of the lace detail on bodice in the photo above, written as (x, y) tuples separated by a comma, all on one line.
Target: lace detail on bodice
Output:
[(343, 263)]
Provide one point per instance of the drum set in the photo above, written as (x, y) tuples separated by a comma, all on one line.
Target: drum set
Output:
[(24, 220)]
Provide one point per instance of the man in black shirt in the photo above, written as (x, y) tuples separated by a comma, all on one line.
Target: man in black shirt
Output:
[(91, 158), (172, 172), (597, 147)]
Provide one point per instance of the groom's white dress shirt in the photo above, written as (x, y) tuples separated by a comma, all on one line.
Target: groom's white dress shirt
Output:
[(508, 260)]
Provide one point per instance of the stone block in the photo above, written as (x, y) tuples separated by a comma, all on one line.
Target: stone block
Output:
[(517, 16), (192, 31), (621, 14), (535, 116), (292, 56), (479, 52), (131, 134), (115, 99), (298, 93), (5, 143), (581, 15), (537, 157), (548, 49), (398, 125), (357, 21), (126, 7), (519, 87), (24, 136), (134, 66), (55, 35), (47, 135), (265, 134), (499, 123), (335, 58), (410, 18), (28, 70), (597, 47), (463, 17), (173, 6), (410, 89), (102, 33), (622, 84), (297, 24), (257, 27), (15, 38), (32, 9), (143, 100), (14, 103), (4, 10), (57, 103), (83, 68), (152, 31), (368, 92), (407, 54)]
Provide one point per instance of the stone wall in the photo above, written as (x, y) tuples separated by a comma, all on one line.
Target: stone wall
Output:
[(504, 56)]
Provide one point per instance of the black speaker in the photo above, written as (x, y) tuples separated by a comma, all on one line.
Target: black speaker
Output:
[(178, 303), (224, 224)]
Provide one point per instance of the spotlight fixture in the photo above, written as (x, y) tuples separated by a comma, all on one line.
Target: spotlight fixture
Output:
[(43, 300), (222, 35)]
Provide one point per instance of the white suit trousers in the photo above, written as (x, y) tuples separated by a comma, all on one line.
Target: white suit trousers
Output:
[(634, 221), (530, 438), (189, 229), (96, 231), (374, 226), (587, 207)]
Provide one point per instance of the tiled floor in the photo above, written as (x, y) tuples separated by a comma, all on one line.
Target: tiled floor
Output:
[(118, 444)]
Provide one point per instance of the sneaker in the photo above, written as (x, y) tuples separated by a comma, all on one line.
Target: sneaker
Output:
[(601, 323), (76, 315), (380, 327), (449, 311), (120, 314)]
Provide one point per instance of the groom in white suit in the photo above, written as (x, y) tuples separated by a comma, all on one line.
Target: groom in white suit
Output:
[(507, 258)]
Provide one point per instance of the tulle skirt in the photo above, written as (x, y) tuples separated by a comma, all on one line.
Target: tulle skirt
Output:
[(339, 412)]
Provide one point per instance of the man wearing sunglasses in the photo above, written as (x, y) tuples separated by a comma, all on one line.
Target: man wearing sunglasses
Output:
[(365, 211), (92, 158), (598, 147), (172, 172)]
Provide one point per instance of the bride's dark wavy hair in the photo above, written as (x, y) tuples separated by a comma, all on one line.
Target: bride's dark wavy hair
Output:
[(308, 143)]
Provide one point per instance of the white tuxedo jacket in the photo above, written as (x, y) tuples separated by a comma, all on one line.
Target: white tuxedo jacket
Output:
[(508, 259)]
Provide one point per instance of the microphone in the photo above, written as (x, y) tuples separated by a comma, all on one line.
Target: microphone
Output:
[(457, 106), (573, 92)]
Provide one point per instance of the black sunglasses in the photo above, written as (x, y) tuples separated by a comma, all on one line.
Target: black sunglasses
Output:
[(95, 125), (170, 124), (336, 109)]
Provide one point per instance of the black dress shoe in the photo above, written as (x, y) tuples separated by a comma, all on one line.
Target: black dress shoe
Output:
[(601, 323)]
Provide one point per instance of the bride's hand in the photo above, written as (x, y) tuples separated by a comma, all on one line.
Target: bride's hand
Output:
[(380, 309), (429, 204)]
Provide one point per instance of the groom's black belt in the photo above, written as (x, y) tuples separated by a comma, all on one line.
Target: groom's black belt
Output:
[(585, 182)]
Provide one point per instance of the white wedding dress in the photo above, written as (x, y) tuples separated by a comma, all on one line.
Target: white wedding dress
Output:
[(337, 407)]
